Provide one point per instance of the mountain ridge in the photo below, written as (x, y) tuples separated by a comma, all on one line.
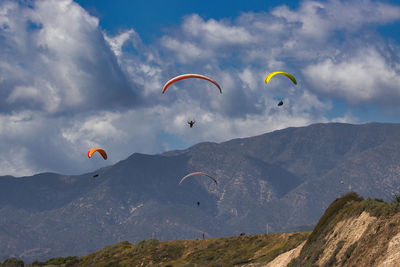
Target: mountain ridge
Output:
[(285, 179)]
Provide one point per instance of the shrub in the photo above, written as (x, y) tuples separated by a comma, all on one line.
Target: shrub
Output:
[(331, 212), (396, 198), (146, 244), (12, 262), (332, 259), (350, 250)]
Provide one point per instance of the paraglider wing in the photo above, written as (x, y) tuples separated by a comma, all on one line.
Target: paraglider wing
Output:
[(198, 173), (99, 150), (290, 76), (186, 76)]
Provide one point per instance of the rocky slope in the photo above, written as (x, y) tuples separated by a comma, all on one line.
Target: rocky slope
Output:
[(354, 232)]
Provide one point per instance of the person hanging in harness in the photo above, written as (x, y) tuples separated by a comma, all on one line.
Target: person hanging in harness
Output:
[(191, 123)]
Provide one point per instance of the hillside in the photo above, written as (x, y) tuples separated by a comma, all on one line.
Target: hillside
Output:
[(229, 251), (351, 232), (284, 179), (354, 232)]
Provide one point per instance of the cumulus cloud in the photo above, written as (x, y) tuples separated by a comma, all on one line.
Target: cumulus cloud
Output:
[(216, 33), (319, 19), (365, 76), (57, 61), (116, 42), (67, 85)]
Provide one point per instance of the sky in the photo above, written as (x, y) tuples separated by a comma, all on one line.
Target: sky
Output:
[(89, 73)]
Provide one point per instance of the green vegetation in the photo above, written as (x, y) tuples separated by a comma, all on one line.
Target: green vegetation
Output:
[(396, 198), (12, 262), (332, 259), (316, 242), (238, 250), (208, 252), (332, 212), (350, 250), (379, 209), (68, 261)]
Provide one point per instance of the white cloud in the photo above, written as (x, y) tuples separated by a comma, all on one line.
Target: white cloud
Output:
[(249, 78), (216, 33), (66, 85), (185, 51), (319, 19), (15, 162), (118, 41), (362, 77), (59, 62)]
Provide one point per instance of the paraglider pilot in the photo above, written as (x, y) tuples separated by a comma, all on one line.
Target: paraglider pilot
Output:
[(280, 103), (191, 123), (198, 203)]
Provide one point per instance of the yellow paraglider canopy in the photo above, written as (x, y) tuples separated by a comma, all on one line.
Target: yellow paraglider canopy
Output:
[(290, 76)]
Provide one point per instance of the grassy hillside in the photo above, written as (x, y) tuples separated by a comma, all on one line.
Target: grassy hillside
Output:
[(352, 232), (229, 251)]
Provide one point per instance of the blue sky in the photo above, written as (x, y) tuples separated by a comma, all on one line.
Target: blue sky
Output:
[(150, 18), (80, 74)]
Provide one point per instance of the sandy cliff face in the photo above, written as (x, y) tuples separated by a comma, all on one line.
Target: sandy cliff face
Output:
[(285, 258), (379, 245), (345, 234), (354, 232)]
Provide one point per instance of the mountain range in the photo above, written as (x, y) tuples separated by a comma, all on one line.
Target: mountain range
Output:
[(271, 182)]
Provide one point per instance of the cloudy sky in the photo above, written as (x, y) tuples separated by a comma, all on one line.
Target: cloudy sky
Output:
[(89, 73)]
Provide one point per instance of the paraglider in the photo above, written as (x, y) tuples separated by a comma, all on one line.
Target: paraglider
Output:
[(96, 175), (270, 75), (280, 103), (186, 76), (198, 173), (191, 123), (98, 150)]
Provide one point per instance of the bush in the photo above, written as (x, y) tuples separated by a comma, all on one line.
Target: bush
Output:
[(343, 206), (331, 212), (396, 198), (146, 244), (350, 250), (332, 259), (12, 262)]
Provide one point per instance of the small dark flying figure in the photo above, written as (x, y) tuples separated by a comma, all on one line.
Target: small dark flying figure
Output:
[(280, 103), (198, 203), (191, 123), (96, 175)]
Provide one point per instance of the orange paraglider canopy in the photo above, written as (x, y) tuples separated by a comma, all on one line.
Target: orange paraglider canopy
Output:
[(186, 76), (99, 150)]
